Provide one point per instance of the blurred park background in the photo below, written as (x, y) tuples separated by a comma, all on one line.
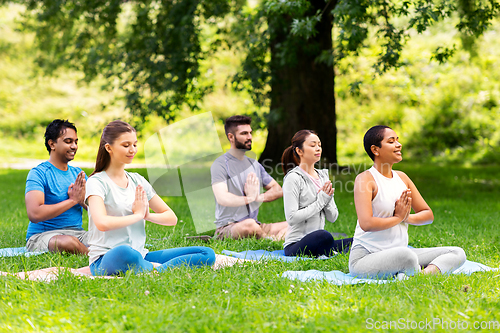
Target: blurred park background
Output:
[(440, 90)]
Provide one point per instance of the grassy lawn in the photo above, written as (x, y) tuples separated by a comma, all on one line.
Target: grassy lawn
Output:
[(253, 297)]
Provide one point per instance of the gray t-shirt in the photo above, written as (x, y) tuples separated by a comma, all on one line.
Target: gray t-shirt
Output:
[(118, 202), (234, 172)]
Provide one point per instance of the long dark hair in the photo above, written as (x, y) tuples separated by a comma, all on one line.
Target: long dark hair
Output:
[(290, 158), (109, 134)]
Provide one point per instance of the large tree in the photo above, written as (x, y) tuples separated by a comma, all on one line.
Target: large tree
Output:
[(302, 88), (152, 51), (300, 69)]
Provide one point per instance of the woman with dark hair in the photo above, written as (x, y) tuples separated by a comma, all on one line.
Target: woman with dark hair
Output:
[(384, 199), (308, 199), (119, 203)]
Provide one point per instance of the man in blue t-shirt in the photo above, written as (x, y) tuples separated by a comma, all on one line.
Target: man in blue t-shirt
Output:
[(55, 193), (236, 182)]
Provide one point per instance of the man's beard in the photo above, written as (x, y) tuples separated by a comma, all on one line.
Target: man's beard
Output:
[(241, 145)]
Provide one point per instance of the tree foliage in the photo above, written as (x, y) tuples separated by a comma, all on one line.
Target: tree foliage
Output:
[(393, 22), (151, 50), (277, 32)]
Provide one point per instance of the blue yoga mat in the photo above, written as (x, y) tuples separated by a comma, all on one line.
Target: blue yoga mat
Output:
[(266, 255), (340, 278), (336, 277), (17, 251)]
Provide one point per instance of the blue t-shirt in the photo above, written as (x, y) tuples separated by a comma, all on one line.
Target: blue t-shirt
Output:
[(54, 183)]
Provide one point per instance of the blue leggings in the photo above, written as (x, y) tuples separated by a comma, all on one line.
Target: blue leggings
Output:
[(123, 257), (317, 243)]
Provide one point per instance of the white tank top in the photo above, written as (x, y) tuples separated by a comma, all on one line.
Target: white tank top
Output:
[(389, 191)]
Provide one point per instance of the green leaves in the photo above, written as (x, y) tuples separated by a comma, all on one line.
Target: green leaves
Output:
[(151, 50), (476, 16), (394, 20), (426, 13), (442, 54), (352, 20), (286, 7), (306, 27), (148, 49)]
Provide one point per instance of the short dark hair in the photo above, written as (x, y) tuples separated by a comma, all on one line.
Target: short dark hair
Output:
[(374, 137), (232, 122), (55, 129)]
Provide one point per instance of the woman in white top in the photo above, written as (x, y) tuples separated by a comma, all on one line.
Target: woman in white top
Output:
[(384, 199), (119, 203)]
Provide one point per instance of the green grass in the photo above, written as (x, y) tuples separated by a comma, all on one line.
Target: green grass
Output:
[(254, 298)]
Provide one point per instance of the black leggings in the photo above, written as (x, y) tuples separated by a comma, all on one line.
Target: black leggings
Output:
[(317, 243)]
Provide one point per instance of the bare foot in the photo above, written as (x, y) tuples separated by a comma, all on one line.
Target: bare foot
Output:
[(431, 269), (84, 270), (222, 261)]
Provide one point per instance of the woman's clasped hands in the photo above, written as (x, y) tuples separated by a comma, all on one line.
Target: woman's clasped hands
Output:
[(141, 203), (402, 207), (328, 188)]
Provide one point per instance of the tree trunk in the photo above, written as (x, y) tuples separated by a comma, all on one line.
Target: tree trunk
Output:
[(302, 89)]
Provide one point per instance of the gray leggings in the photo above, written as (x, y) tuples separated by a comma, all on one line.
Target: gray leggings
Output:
[(406, 260)]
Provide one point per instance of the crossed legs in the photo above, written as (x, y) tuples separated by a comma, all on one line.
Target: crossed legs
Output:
[(317, 243), (59, 240), (123, 258), (66, 243), (404, 260)]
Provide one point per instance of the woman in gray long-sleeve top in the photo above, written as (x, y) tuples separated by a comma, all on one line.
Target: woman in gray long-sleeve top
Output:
[(308, 199)]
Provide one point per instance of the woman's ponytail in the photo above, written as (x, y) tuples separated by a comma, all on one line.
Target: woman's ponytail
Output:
[(103, 158), (289, 160)]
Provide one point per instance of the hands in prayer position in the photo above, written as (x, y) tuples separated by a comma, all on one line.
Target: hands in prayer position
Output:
[(141, 203), (252, 186), (402, 208), (76, 191), (327, 188)]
